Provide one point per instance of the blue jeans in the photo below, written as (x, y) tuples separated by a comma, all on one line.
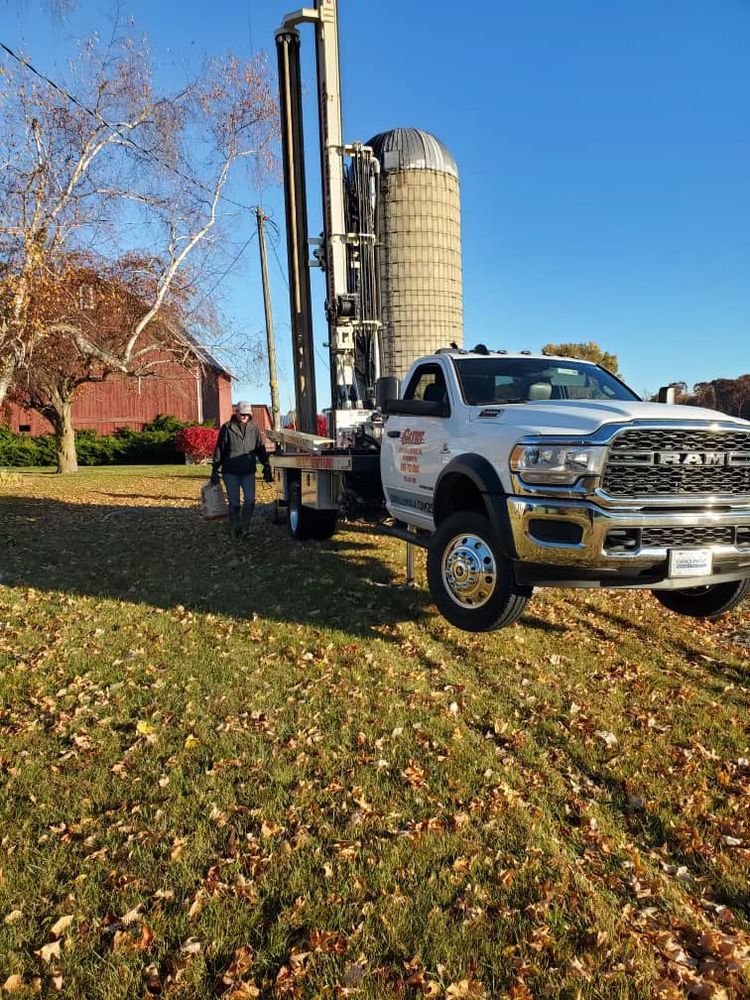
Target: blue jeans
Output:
[(240, 512)]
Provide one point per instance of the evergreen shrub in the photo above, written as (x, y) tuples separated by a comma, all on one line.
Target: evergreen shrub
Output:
[(154, 445)]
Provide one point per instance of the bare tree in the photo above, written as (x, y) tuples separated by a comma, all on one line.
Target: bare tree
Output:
[(84, 167), (58, 9), (99, 304), (728, 395)]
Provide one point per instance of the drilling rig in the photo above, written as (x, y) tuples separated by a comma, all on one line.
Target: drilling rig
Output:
[(347, 248), (318, 474)]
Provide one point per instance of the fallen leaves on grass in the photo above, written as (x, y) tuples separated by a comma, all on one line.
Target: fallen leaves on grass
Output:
[(124, 940), (241, 964), (61, 925), (17, 984), (339, 777), (49, 952)]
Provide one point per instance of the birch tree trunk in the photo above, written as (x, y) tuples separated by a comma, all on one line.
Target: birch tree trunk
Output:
[(7, 372)]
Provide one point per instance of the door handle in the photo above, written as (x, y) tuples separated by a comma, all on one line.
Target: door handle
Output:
[(394, 434)]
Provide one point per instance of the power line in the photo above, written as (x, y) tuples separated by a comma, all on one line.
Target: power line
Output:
[(273, 247), (322, 360), (229, 267), (128, 140)]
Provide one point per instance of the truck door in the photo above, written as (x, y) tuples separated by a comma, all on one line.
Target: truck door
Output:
[(413, 447)]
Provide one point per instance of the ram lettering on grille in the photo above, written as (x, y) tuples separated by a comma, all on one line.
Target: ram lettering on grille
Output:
[(657, 462), (690, 458)]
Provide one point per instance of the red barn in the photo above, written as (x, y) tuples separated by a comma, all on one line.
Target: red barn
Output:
[(262, 417), (195, 392)]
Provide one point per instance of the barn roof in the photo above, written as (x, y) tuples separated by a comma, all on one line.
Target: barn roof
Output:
[(204, 355)]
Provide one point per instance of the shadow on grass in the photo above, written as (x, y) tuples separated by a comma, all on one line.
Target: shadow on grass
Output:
[(657, 836), (722, 670), (167, 556), (166, 498), (541, 625), (721, 667)]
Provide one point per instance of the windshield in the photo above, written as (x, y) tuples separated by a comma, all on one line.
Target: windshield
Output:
[(523, 380)]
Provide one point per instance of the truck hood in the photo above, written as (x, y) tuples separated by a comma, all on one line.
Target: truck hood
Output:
[(580, 418)]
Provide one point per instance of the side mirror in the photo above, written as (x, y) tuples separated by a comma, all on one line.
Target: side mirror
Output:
[(386, 388), (667, 394)]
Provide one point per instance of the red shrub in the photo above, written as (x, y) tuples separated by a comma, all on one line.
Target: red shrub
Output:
[(321, 426), (196, 442)]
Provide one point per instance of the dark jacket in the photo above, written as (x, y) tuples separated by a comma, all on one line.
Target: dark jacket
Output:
[(238, 447)]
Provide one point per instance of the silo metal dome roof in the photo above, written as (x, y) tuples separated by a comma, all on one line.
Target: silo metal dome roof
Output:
[(412, 149)]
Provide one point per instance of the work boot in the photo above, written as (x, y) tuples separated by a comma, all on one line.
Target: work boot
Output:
[(247, 516), (234, 522)]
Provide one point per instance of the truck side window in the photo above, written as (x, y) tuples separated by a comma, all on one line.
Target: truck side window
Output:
[(428, 383)]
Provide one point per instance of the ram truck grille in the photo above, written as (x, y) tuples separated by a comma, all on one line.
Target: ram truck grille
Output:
[(645, 462)]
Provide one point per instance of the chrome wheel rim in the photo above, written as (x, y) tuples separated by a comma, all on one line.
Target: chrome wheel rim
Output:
[(469, 571)]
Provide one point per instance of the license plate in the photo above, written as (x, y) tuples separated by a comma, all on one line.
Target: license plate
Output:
[(690, 562)]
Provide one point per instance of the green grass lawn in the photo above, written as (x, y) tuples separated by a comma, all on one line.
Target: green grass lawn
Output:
[(268, 770)]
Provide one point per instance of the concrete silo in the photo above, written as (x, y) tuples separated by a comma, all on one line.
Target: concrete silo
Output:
[(419, 232)]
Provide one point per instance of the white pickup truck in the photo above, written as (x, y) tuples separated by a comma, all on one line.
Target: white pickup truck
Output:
[(518, 471), (541, 471)]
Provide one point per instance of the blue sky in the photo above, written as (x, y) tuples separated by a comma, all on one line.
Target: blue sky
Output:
[(603, 147)]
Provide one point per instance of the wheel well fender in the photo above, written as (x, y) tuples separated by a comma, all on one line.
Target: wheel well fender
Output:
[(469, 482)]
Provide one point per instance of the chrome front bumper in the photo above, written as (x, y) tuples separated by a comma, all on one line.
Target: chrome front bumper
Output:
[(588, 563)]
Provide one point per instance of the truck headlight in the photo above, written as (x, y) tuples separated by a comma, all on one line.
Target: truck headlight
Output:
[(556, 464)]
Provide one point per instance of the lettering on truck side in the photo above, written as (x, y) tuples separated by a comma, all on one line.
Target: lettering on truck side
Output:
[(412, 437), (409, 453), (411, 501)]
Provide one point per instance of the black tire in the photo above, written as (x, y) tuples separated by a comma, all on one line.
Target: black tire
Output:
[(296, 516), (470, 580), (306, 522), (704, 602), (321, 524)]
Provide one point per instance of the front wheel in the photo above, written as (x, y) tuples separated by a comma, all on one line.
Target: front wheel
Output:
[(470, 580), (704, 602)]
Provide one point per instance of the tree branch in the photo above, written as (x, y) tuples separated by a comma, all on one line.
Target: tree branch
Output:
[(177, 260)]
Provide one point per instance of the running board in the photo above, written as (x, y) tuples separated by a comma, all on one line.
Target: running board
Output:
[(422, 538)]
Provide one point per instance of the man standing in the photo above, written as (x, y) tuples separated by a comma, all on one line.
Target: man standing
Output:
[(237, 449)]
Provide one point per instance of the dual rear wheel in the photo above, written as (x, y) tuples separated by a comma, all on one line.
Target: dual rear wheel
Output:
[(306, 522)]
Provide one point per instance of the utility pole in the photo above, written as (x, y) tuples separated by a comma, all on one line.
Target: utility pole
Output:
[(275, 411)]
